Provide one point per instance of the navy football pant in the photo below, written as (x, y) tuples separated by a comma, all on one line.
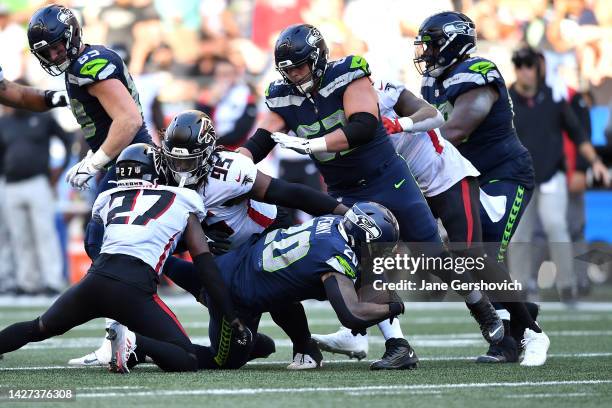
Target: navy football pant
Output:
[(94, 232)]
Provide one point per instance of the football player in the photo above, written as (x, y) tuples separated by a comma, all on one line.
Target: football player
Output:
[(314, 260), (239, 201), (473, 98), (102, 95), (333, 111), (24, 97), (143, 222)]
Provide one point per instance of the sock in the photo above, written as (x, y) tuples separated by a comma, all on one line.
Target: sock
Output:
[(391, 330), (292, 319), (520, 316), (473, 297)]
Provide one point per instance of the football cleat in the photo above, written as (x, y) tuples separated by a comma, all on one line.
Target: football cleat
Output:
[(123, 343), (506, 351), (535, 346), (399, 355), (491, 326), (100, 357), (343, 342), (308, 358)]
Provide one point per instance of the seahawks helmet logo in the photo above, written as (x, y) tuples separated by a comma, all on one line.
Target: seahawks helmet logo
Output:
[(458, 27), (313, 37), (64, 15), (365, 222)]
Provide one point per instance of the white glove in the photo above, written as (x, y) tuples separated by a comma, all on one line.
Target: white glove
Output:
[(83, 171), (300, 145)]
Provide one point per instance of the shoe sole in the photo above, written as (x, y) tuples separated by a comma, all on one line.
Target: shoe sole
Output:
[(406, 366), (113, 366), (359, 355), (484, 359)]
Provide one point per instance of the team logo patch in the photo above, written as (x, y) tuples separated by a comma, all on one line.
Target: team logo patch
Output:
[(458, 27), (64, 15), (313, 37)]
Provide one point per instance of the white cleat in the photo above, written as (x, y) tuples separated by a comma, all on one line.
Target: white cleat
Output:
[(100, 357), (123, 343), (303, 362), (343, 342), (535, 346)]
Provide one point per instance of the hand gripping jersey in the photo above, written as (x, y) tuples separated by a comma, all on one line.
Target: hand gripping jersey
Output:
[(286, 265), (494, 142), (145, 222), (98, 63), (224, 196), (324, 113), (435, 163)]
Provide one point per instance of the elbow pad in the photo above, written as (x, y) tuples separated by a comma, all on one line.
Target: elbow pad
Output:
[(293, 195), (260, 144), (360, 129)]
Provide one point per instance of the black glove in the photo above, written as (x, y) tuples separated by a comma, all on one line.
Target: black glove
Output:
[(243, 336), (55, 99), (219, 241), (363, 331)]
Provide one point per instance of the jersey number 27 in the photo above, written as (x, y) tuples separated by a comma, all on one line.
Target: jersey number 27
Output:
[(131, 199)]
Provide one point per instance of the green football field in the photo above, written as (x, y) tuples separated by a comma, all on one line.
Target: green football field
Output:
[(578, 372)]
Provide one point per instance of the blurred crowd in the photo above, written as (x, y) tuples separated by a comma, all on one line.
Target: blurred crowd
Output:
[(216, 56)]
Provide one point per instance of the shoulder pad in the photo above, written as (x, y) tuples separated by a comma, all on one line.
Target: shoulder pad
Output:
[(97, 64), (235, 172), (280, 95), (342, 72), (469, 74)]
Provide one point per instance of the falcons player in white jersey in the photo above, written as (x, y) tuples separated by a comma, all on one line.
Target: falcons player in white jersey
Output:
[(143, 222), (239, 201)]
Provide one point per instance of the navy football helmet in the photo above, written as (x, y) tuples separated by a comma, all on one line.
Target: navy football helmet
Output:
[(138, 164), (301, 44), (368, 222), (442, 40), (49, 27), (188, 146)]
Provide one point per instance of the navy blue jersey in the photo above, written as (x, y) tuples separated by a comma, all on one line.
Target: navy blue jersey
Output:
[(324, 113), (494, 142), (97, 63), (286, 265)]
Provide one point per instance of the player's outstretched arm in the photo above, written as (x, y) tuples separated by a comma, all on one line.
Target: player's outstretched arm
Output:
[(207, 270), (470, 109), (25, 97), (292, 195), (353, 314), (260, 144), (415, 115)]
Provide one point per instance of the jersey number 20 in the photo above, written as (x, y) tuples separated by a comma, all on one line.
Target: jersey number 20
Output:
[(289, 249)]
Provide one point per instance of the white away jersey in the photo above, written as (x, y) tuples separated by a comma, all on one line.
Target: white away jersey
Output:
[(436, 164), (145, 222), (224, 195)]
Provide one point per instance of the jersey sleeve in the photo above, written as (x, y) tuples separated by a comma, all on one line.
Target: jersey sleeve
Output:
[(98, 210), (388, 93), (341, 258), (193, 202), (343, 72), (279, 95), (236, 172), (471, 74), (95, 65)]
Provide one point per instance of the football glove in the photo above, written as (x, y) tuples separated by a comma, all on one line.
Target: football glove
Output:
[(300, 145), (55, 99), (83, 171), (219, 242), (397, 125)]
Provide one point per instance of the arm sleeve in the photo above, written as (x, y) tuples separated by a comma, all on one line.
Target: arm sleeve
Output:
[(260, 144), (293, 195), (211, 280)]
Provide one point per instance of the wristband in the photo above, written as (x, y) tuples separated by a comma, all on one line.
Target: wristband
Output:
[(406, 123), (317, 145), (100, 159)]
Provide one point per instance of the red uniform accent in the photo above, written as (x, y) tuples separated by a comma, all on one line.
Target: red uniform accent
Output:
[(435, 141), (467, 206), (258, 217), (164, 255), (168, 312)]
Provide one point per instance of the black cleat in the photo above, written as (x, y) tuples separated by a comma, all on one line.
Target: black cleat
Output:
[(398, 356), (263, 347), (491, 326), (308, 357), (506, 351)]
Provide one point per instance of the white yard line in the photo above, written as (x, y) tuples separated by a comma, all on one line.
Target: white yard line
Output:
[(253, 391), (264, 362), (559, 395)]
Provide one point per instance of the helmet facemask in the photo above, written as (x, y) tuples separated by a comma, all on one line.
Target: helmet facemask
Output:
[(308, 83), (186, 168)]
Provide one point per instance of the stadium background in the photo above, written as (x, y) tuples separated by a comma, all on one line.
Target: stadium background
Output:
[(173, 48)]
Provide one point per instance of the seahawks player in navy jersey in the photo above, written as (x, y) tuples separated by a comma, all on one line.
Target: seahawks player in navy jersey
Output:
[(102, 96), (471, 94), (333, 110)]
